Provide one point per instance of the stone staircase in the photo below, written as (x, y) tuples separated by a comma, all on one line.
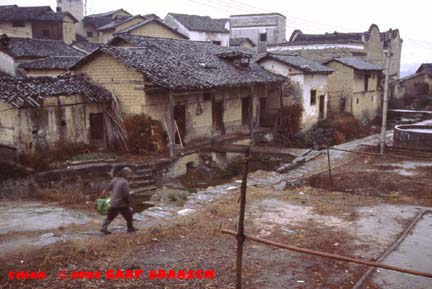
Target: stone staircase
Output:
[(143, 186)]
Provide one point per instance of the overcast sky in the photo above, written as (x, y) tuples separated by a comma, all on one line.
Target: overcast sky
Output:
[(311, 16)]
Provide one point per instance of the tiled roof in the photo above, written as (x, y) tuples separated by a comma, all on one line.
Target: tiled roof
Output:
[(183, 64), (201, 23), (21, 92), (54, 62), (358, 63), (118, 22), (28, 13), (300, 63), (240, 41), (426, 68), (35, 48)]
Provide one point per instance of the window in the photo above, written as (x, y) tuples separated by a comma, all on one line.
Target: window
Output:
[(263, 36), (217, 42), (206, 96), (372, 98), (357, 101), (45, 32), (18, 24), (312, 97), (89, 34)]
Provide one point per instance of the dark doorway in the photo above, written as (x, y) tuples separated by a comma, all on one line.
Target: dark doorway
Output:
[(96, 126), (245, 111), (180, 118), (262, 111), (342, 103), (217, 111), (321, 106)]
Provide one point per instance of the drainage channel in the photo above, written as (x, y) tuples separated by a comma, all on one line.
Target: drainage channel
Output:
[(413, 250)]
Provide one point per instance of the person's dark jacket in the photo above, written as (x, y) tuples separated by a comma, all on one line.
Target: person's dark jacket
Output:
[(119, 195)]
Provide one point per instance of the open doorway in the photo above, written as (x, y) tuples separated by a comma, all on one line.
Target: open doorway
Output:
[(180, 118), (321, 106), (245, 111), (217, 113)]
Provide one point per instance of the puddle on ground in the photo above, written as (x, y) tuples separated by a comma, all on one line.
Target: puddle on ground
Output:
[(378, 226), (34, 216), (414, 253)]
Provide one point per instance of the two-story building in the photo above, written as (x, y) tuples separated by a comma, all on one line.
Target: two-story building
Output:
[(39, 22), (309, 78), (369, 45), (354, 87), (200, 28)]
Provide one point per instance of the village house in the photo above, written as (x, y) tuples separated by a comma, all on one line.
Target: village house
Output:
[(200, 28), (354, 87), (197, 90), (100, 28), (309, 79), (39, 22), (38, 112), (242, 42), (369, 45), (261, 29), (15, 51), (419, 83)]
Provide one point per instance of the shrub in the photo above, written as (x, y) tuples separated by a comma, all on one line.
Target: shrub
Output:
[(144, 134), (290, 122)]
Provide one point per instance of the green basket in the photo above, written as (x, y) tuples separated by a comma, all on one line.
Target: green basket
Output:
[(102, 206)]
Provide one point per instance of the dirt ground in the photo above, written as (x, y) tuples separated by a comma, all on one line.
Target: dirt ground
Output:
[(371, 202)]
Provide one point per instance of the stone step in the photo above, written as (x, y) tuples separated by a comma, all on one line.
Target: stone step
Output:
[(140, 171), (147, 190), (141, 183), (142, 177)]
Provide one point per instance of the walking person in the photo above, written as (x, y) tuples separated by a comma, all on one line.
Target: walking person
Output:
[(120, 200)]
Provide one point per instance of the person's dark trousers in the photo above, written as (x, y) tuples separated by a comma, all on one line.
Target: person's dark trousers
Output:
[(113, 212)]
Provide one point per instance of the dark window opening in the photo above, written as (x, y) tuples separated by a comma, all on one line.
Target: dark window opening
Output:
[(357, 101), (366, 82), (18, 24), (63, 122), (35, 131), (263, 36), (217, 42), (45, 32), (313, 97), (206, 96), (245, 111), (372, 98), (96, 126), (89, 34)]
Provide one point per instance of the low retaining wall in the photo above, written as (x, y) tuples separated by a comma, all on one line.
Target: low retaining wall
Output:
[(413, 136)]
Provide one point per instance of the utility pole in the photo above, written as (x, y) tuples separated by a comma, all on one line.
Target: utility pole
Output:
[(388, 54)]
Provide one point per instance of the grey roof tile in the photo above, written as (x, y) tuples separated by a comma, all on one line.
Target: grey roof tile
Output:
[(54, 62), (358, 63), (21, 92), (182, 64), (201, 23), (35, 48), (301, 63)]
